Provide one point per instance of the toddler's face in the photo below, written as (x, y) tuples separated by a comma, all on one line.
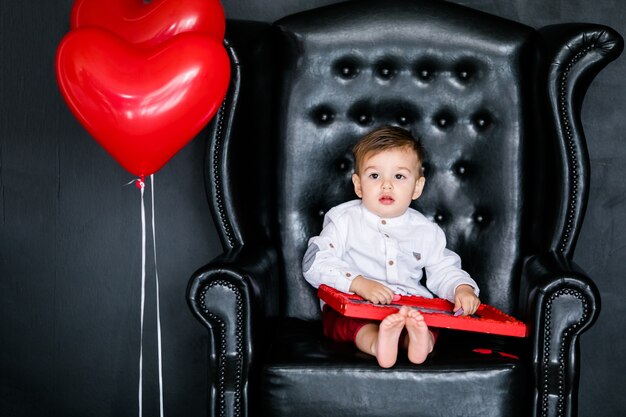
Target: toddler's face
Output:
[(388, 181)]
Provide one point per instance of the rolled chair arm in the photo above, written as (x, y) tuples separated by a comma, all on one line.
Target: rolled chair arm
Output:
[(235, 297), (561, 303), (573, 54)]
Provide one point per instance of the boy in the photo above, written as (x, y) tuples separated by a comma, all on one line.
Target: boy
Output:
[(377, 246)]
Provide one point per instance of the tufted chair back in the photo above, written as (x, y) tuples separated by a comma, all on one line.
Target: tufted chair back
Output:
[(462, 83)]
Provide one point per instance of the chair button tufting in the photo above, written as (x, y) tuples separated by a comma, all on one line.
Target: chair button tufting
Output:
[(425, 68), (424, 74), (444, 120), (480, 218), (364, 119), (349, 71), (346, 68), (323, 115), (481, 121), (386, 70), (467, 70)]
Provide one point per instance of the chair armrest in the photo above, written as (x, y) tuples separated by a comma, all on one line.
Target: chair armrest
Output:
[(235, 297), (561, 302), (572, 54)]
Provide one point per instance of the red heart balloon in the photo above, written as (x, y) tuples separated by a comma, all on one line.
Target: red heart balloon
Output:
[(142, 105), (147, 24)]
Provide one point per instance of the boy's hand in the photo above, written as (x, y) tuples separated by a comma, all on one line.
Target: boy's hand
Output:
[(372, 291), (465, 298)]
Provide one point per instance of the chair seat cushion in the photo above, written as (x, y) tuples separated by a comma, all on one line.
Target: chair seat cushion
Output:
[(468, 374)]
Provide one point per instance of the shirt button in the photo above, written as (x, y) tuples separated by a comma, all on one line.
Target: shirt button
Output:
[(348, 274), (383, 221), (391, 263)]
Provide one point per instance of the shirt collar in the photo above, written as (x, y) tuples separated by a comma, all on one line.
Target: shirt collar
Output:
[(376, 220)]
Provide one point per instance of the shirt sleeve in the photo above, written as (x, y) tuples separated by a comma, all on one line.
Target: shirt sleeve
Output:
[(323, 263), (443, 270)]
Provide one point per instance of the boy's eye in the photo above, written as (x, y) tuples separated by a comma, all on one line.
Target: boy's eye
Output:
[(399, 176), (373, 176)]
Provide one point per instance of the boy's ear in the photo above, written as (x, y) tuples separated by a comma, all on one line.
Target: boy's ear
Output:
[(419, 187), (356, 180)]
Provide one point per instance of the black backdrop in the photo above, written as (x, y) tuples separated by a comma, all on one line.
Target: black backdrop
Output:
[(70, 250)]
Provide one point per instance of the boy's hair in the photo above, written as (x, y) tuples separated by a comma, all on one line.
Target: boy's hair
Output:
[(384, 138)]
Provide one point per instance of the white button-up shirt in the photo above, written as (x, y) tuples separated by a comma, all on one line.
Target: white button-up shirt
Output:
[(393, 251)]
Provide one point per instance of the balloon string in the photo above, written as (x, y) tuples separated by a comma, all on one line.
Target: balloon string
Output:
[(140, 184), (158, 306)]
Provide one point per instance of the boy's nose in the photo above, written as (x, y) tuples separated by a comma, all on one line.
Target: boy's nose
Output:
[(386, 185)]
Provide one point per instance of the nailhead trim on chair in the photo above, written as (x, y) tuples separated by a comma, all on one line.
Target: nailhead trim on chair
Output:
[(222, 354), (572, 154), (217, 181), (562, 351)]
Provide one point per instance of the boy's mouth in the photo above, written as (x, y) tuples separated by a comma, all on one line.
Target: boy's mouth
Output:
[(386, 200)]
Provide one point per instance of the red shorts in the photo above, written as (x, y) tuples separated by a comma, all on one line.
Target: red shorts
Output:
[(341, 328)]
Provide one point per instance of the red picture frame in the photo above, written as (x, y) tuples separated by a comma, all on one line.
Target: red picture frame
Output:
[(437, 312)]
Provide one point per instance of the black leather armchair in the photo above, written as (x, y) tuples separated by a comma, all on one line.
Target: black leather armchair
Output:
[(497, 104)]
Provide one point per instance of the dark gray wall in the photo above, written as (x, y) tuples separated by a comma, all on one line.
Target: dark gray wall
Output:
[(70, 234)]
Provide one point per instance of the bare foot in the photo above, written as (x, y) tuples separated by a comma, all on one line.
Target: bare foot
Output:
[(389, 331), (421, 340)]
